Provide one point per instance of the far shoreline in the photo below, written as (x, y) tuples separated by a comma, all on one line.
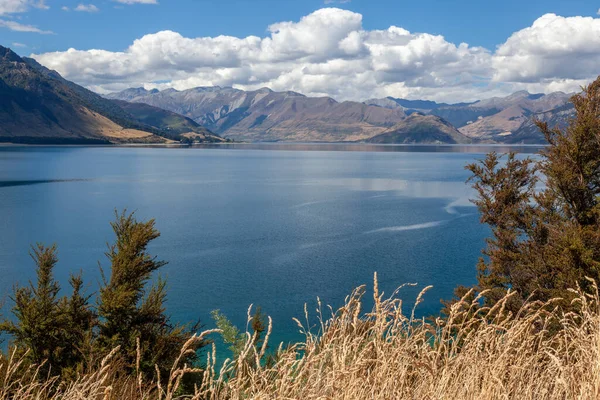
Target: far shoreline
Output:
[(314, 146)]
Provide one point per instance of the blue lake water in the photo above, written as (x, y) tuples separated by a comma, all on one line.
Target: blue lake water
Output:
[(272, 225)]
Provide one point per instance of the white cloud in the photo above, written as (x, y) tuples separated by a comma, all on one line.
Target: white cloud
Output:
[(15, 26), (87, 8), (19, 6), (553, 48), (17, 44), (13, 6), (328, 52), (65, 8)]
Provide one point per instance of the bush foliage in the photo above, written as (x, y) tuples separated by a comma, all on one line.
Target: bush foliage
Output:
[(68, 335), (544, 214)]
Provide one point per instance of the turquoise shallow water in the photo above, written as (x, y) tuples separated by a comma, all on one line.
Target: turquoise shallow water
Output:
[(272, 225)]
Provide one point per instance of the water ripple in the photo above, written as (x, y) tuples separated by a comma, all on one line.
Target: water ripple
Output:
[(402, 228)]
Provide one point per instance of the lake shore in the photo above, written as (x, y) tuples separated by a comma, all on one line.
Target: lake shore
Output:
[(320, 146)]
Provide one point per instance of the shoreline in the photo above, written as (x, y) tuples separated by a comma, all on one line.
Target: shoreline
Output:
[(312, 146)]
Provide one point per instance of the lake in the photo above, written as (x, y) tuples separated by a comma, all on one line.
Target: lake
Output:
[(273, 225)]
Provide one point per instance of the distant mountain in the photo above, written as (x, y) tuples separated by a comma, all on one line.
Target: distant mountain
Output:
[(171, 124), (457, 114), (498, 119), (132, 93), (460, 116), (264, 115), (419, 128), (411, 105), (514, 111), (528, 132)]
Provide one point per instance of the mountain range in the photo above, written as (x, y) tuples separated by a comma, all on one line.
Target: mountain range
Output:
[(499, 119), (264, 115), (38, 106)]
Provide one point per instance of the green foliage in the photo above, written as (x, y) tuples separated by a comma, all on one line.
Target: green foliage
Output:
[(37, 310), (128, 311), (546, 240), (230, 333), (237, 340), (186, 140), (68, 335), (80, 321), (50, 328)]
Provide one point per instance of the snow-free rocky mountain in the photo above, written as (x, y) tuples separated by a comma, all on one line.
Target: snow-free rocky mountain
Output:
[(265, 115), (499, 119), (38, 106), (417, 128)]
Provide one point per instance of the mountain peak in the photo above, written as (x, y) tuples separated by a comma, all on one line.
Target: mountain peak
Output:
[(520, 93), (524, 94), (201, 89), (264, 90), (421, 128), (7, 54), (417, 104)]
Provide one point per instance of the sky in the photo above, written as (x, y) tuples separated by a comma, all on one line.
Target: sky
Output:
[(439, 50)]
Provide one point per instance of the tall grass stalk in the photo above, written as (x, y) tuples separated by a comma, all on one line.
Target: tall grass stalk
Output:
[(474, 353)]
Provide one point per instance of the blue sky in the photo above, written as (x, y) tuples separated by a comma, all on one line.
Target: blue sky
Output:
[(113, 26)]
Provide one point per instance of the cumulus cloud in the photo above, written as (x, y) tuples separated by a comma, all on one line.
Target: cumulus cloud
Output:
[(554, 48), (18, 27), (328, 52), (87, 8)]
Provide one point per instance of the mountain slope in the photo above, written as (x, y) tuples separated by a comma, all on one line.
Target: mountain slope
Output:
[(515, 110), (529, 133), (38, 106), (171, 124), (460, 116), (264, 115), (419, 128), (496, 119), (499, 124), (411, 105)]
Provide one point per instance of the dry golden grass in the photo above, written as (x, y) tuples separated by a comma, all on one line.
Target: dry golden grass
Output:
[(382, 354), (105, 127)]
